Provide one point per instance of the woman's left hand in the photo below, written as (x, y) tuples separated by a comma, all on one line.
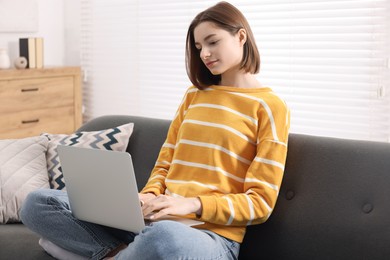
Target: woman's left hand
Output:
[(163, 205)]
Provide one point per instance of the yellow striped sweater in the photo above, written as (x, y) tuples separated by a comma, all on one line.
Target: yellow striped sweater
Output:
[(227, 146)]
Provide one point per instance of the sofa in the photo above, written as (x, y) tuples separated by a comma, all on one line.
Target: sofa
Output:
[(334, 202)]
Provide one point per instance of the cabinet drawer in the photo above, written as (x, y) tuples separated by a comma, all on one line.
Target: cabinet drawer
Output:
[(34, 122), (27, 94)]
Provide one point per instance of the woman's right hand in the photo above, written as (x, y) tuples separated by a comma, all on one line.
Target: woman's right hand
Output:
[(144, 197)]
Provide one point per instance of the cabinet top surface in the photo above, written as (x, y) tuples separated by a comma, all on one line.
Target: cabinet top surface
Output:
[(29, 73)]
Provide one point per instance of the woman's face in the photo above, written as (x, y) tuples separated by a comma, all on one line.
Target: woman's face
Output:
[(219, 50)]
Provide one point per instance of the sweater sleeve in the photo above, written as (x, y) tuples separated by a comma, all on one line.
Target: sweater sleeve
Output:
[(264, 175), (156, 181)]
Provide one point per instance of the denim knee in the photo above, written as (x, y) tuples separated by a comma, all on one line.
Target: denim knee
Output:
[(35, 207), (30, 206), (164, 231)]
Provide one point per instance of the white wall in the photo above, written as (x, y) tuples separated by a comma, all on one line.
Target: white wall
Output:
[(72, 32), (58, 24)]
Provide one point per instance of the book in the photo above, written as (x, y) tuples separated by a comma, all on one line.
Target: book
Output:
[(39, 52), (23, 48), (31, 53), (27, 50)]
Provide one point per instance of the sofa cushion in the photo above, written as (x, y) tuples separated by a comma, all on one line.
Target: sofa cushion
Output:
[(19, 242), (115, 139), (22, 170)]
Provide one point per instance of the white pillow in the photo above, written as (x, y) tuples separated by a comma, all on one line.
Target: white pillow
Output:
[(22, 170)]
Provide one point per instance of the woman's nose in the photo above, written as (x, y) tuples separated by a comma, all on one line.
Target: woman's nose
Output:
[(205, 54)]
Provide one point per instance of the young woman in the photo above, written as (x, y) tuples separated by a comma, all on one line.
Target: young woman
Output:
[(222, 161)]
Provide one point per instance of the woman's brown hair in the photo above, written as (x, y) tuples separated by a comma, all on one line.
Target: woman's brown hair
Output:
[(229, 18)]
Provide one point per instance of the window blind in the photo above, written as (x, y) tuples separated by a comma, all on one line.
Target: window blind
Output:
[(109, 57), (328, 59)]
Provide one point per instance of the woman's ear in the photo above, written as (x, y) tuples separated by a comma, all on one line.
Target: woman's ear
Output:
[(242, 36)]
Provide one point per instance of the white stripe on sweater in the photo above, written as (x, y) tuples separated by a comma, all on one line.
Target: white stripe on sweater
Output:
[(162, 163), (216, 147), (267, 109), (254, 121), (168, 145), (228, 128), (211, 187), (158, 176), (270, 185), (251, 209), (232, 212), (270, 162), (269, 209), (175, 195), (208, 167), (277, 142), (192, 90)]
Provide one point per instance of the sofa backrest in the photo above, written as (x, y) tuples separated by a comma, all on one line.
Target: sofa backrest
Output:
[(333, 203), (145, 142)]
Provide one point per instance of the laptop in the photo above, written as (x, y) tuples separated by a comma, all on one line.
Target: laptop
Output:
[(102, 188)]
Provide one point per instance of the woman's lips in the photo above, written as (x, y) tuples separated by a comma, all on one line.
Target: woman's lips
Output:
[(210, 63)]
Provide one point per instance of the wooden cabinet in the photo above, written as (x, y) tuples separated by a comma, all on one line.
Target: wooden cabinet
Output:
[(33, 101)]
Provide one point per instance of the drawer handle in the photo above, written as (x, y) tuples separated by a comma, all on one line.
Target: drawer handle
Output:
[(30, 121), (29, 89)]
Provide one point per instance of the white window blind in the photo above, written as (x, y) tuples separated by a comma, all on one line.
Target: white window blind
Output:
[(109, 57), (328, 59)]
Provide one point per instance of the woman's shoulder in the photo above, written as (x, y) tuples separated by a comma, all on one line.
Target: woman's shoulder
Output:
[(192, 89), (269, 96), (271, 102)]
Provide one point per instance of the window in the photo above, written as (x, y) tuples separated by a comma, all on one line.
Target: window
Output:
[(328, 59)]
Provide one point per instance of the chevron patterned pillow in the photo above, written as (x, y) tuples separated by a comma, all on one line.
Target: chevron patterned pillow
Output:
[(115, 139)]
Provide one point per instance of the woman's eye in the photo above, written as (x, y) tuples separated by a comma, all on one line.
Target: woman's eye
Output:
[(213, 42)]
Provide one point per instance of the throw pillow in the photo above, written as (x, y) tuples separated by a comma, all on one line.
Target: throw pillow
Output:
[(22, 170), (115, 139)]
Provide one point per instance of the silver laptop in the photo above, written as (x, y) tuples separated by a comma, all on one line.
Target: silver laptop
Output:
[(102, 188)]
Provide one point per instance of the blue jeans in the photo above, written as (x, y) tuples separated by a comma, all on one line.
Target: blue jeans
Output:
[(47, 213)]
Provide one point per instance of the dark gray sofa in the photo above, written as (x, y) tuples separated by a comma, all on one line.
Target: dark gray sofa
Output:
[(334, 202)]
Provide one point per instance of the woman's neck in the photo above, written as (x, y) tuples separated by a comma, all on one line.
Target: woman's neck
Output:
[(240, 80)]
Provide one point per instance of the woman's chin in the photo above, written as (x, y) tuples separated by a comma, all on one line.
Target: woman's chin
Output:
[(215, 72)]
